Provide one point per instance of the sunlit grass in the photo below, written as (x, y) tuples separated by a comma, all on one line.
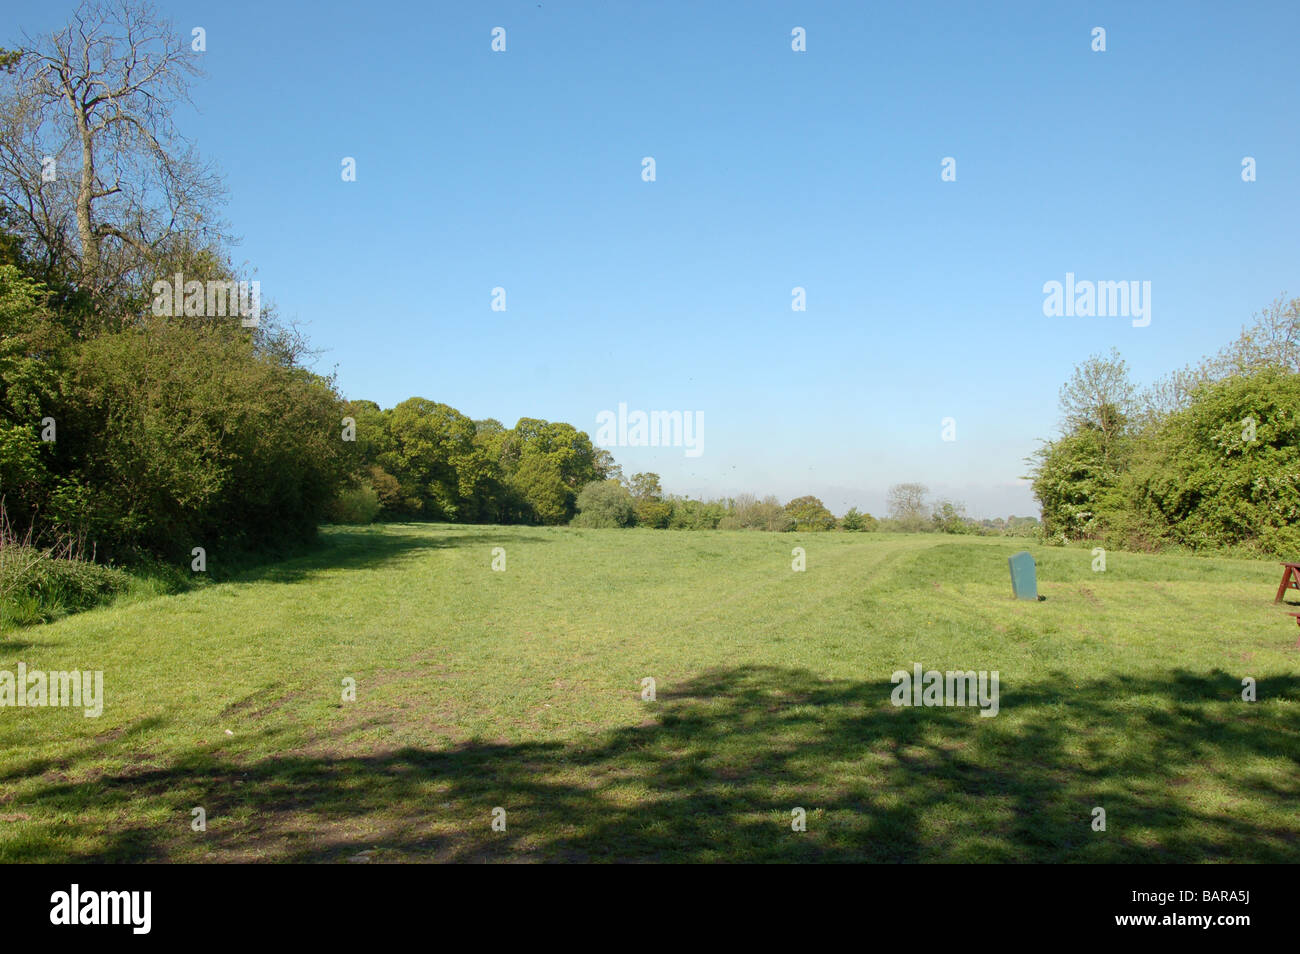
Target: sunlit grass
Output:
[(522, 690)]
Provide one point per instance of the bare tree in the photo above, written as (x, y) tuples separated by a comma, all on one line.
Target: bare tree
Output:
[(93, 171), (907, 507)]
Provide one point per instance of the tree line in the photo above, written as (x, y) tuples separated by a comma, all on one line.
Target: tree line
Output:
[(639, 501), (426, 460), (422, 460)]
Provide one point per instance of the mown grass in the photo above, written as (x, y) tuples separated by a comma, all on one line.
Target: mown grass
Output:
[(522, 690)]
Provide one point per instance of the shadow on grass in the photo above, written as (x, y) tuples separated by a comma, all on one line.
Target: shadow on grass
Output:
[(337, 549), (53, 768), (11, 643), (1184, 770), (354, 549)]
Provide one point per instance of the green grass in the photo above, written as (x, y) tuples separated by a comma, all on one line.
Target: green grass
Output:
[(522, 689)]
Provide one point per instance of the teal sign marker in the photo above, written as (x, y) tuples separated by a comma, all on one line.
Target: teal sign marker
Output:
[(1024, 576)]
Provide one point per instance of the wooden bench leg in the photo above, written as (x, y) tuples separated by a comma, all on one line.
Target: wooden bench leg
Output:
[(1286, 579)]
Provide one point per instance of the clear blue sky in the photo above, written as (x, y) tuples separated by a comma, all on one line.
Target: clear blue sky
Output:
[(775, 169)]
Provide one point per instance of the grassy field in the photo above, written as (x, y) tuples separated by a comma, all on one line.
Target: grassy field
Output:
[(522, 690)]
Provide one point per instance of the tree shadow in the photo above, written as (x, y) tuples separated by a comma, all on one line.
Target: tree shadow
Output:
[(53, 767), (362, 549), (332, 551), (9, 642), (721, 763)]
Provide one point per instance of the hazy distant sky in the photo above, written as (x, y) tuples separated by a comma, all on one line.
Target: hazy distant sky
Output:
[(775, 169)]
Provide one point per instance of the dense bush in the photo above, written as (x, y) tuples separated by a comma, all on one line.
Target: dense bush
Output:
[(858, 521), (1209, 458), (1226, 469), (355, 505), (747, 512), (142, 435), (605, 503), (809, 513), (689, 514), (950, 517)]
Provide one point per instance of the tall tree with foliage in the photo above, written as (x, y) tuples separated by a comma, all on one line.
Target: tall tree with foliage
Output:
[(1076, 478), (809, 513)]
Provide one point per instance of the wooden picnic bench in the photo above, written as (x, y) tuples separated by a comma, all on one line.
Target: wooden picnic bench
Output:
[(1290, 580)]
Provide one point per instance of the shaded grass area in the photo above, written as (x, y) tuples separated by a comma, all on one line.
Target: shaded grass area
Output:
[(38, 586), (521, 690)]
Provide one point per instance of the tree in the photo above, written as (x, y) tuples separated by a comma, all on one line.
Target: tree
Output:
[(541, 487), (426, 459), (372, 439), (604, 503), (98, 96), (1074, 485), (949, 516), (645, 486), (809, 513), (434, 453), (568, 449), (388, 492), (857, 521), (1099, 396), (33, 357), (651, 508), (606, 467), (1076, 477), (906, 506), (747, 512)]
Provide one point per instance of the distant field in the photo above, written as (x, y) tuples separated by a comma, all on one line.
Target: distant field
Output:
[(522, 690)]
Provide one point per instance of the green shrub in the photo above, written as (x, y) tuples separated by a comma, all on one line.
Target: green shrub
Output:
[(1225, 470), (691, 514), (36, 586), (809, 513), (187, 434), (605, 503), (950, 517), (355, 505), (747, 512), (656, 514), (857, 521)]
